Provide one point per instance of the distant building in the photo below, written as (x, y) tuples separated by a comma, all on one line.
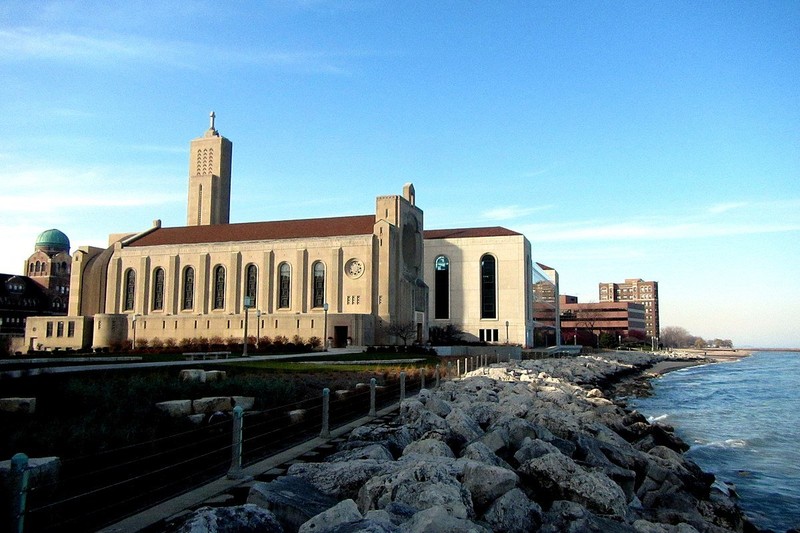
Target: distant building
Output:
[(44, 291), (586, 322), (639, 291)]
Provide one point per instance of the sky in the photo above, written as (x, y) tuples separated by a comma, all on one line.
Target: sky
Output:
[(655, 140)]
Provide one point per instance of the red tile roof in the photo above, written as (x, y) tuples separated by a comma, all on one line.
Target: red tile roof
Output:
[(461, 233), (260, 231)]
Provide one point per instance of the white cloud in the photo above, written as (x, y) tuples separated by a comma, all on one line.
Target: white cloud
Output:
[(25, 44), (722, 208)]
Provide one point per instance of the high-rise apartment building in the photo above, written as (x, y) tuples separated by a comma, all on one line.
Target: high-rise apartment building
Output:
[(639, 291)]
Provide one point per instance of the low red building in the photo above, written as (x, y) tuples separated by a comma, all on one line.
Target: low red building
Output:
[(585, 323)]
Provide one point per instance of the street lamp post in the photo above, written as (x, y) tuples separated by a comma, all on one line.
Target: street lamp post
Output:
[(325, 328), (575, 338), (258, 326), (133, 326), (506, 331), (247, 304)]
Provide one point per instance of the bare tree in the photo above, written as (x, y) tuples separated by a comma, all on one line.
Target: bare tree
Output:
[(404, 330)]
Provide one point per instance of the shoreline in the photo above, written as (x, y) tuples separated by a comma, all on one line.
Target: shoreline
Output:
[(532, 445)]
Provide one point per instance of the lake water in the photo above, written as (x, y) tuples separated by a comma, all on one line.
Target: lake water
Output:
[(742, 420)]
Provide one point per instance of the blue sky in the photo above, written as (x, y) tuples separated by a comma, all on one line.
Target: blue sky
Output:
[(654, 140)]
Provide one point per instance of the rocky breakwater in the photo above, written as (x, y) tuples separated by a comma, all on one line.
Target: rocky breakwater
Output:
[(528, 446)]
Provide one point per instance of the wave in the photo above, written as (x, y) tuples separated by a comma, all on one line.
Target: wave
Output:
[(655, 419), (727, 443)]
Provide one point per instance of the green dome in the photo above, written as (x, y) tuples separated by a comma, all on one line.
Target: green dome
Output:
[(52, 239)]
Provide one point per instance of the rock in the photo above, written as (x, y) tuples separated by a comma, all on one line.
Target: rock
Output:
[(429, 447), (18, 405), (192, 374), (464, 428), (378, 452), (296, 416), (571, 517), (176, 408), (292, 500), (212, 404), (478, 451), (561, 476), (419, 485), (215, 375), (438, 520), (44, 474), (343, 512), (394, 438), (340, 479), (487, 483), (514, 512), (246, 518), (532, 448)]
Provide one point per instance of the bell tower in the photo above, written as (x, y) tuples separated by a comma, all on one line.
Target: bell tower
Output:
[(209, 178)]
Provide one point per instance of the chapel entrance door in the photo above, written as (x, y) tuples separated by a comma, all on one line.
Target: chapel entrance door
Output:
[(339, 336)]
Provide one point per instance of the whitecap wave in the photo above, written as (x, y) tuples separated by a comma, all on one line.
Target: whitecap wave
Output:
[(659, 418)]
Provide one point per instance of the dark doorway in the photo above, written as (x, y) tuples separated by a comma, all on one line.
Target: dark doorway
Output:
[(339, 336)]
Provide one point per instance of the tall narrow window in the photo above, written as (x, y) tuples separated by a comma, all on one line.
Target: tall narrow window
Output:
[(130, 289), (219, 287), (251, 274), (284, 285), (158, 289), (488, 287), (441, 280), (188, 288), (319, 284)]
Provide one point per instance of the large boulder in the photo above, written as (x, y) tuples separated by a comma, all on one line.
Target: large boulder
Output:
[(420, 484), (291, 499), (486, 483), (340, 479), (439, 520), (246, 518), (18, 405), (561, 477), (514, 512), (341, 513)]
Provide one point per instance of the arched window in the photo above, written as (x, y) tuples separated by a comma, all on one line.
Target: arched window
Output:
[(488, 287), (130, 289), (38, 266), (30, 267), (284, 285), (158, 289), (251, 274), (441, 287), (219, 287), (188, 288), (64, 267), (318, 271)]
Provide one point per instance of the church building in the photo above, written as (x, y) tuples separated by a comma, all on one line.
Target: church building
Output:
[(348, 280)]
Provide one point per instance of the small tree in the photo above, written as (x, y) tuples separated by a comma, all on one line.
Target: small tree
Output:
[(404, 330), (445, 335)]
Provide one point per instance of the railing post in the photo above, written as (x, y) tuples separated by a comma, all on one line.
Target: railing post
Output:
[(402, 386), (235, 471), (437, 375), (458, 367), (19, 486), (421, 378), (372, 384), (466, 365), (326, 405)]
